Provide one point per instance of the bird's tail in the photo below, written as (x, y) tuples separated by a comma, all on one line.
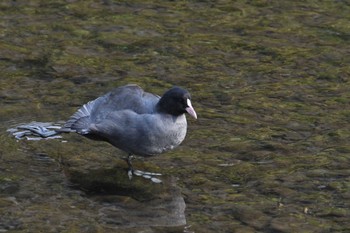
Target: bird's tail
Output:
[(80, 121)]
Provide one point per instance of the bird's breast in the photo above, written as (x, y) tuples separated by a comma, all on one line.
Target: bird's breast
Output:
[(165, 137)]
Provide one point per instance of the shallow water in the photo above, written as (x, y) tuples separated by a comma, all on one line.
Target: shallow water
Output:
[(270, 84)]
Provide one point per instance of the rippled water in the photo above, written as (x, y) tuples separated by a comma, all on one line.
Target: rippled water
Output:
[(270, 83)]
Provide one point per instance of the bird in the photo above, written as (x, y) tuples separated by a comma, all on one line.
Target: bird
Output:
[(135, 121)]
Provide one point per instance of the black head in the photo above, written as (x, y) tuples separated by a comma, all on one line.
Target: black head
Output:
[(176, 101)]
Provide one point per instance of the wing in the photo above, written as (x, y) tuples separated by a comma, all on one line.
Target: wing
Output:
[(129, 97)]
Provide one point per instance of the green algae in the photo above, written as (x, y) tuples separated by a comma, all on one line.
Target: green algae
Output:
[(269, 81)]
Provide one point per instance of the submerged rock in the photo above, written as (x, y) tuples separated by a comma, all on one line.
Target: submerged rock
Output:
[(250, 216), (7, 186), (131, 203), (291, 224)]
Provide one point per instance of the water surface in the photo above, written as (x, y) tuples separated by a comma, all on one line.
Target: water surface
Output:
[(270, 84)]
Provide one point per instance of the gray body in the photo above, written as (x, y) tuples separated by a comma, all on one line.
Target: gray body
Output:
[(130, 120)]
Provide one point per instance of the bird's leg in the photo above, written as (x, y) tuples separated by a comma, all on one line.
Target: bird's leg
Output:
[(131, 169), (146, 175)]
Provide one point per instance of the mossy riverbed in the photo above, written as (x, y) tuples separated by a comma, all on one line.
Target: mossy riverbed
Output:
[(269, 80)]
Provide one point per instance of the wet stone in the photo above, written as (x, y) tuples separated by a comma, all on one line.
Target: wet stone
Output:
[(7, 224), (334, 212), (131, 203), (250, 216), (8, 187), (346, 195), (244, 229), (294, 224)]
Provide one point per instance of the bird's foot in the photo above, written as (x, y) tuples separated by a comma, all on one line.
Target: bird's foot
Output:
[(148, 175), (144, 174), (130, 172)]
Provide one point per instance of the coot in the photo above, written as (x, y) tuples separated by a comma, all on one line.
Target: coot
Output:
[(135, 121)]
